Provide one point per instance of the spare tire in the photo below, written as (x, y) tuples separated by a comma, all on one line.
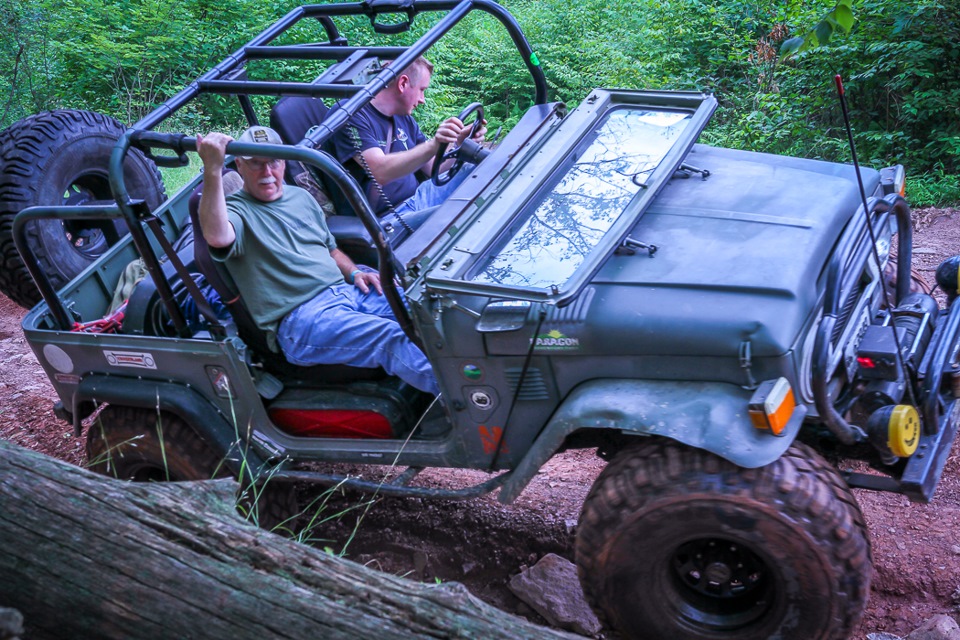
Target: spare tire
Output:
[(62, 157)]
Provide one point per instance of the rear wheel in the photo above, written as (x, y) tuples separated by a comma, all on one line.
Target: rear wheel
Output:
[(57, 158), (675, 542), (143, 445)]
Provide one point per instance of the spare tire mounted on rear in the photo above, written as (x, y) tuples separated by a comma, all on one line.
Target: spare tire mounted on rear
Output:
[(61, 157)]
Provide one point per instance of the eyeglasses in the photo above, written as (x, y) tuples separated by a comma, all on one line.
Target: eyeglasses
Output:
[(258, 165)]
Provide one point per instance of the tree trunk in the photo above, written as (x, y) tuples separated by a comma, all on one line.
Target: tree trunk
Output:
[(82, 556)]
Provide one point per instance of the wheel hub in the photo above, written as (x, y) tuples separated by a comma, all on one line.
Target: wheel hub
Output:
[(718, 568), (718, 572), (719, 584), (89, 238)]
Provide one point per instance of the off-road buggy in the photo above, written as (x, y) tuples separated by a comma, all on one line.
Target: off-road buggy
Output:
[(714, 322)]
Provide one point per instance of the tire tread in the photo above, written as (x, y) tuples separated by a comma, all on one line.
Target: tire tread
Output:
[(27, 149), (808, 489)]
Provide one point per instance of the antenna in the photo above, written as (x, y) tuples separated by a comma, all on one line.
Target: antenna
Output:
[(873, 236)]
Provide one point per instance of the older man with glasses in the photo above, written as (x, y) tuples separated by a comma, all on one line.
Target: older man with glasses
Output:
[(313, 302)]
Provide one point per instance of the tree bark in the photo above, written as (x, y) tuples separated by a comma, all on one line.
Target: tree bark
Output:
[(83, 556)]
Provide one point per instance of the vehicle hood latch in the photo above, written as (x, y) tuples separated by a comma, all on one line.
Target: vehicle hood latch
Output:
[(630, 245), (746, 363)]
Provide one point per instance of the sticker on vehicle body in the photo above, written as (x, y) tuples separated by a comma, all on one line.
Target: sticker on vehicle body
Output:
[(472, 372), (135, 359), (554, 340), (58, 358), (491, 439)]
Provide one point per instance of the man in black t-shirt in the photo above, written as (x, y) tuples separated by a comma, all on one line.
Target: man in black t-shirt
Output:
[(387, 144)]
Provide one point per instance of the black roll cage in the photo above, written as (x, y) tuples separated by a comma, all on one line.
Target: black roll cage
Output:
[(227, 78)]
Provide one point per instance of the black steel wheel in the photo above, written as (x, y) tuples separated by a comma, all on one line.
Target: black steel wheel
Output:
[(143, 445), (675, 542), (61, 157)]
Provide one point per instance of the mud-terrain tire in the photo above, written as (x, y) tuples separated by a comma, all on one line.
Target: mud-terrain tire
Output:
[(142, 445), (62, 157), (675, 542)]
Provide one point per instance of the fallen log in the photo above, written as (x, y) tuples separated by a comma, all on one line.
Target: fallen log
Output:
[(83, 556)]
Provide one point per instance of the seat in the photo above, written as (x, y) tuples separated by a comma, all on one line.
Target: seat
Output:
[(292, 117), (218, 276)]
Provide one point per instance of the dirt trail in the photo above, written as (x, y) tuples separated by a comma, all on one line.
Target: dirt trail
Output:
[(482, 543)]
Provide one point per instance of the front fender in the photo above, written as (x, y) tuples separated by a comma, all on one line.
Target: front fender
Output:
[(706, 415)]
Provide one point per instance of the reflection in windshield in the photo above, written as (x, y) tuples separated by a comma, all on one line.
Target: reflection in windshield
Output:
[(558, 233)]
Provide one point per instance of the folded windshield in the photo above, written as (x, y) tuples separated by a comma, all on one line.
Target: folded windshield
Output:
[(559, 228)]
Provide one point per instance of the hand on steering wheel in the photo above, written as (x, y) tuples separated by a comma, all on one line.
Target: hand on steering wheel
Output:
[(441, 178)]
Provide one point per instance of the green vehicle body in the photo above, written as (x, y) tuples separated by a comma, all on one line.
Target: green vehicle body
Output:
[(600, 280), (670, 340)]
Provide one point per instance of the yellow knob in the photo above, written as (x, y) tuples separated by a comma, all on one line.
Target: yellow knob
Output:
[(903, 430)]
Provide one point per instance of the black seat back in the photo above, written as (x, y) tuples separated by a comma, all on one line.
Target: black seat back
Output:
[(218, 276), (292, 117)]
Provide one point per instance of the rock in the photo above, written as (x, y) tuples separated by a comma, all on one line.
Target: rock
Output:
[(552, 589), (420, 561), (941, 627), (882, 635), (11, 624)]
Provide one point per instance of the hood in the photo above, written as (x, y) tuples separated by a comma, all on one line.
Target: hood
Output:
[(739, 255)]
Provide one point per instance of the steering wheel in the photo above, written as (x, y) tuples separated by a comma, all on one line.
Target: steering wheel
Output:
[(441, 178)]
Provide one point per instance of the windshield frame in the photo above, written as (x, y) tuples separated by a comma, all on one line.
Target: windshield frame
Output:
[(520, 194)]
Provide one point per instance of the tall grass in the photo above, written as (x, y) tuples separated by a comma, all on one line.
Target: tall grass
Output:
[(176, 178)]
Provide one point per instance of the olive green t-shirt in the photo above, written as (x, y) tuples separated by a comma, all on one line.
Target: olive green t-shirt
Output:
[(281, 257)]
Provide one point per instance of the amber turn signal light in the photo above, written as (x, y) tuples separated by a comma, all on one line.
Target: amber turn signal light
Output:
[(772, 405)]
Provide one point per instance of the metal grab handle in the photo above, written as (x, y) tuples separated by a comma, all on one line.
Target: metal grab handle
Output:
[(373, 8), (146, 141)]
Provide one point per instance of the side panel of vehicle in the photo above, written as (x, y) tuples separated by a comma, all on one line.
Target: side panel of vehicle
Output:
[(88, 295), (212, 389)]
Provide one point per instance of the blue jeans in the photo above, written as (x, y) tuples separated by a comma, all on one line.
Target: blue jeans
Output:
[(342, 325), (417, 208)]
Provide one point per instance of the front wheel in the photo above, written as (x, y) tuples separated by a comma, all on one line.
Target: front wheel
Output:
[(675, 542), (145, 445)]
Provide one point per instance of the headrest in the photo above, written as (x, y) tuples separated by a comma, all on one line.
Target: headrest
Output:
[(293, 116), (232, 182)]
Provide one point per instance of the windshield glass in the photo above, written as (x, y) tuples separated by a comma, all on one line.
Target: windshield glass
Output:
[(558, 229)]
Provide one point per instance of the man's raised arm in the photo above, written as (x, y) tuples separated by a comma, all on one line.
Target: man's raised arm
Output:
[(216, 227)]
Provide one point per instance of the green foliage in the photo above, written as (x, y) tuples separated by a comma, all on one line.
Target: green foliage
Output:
[(840, 18), (902, 77), (900, 62), (176, 178), (121, 57), (935, 188)]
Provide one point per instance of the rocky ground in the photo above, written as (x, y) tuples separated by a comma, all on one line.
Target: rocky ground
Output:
[(482, 543)]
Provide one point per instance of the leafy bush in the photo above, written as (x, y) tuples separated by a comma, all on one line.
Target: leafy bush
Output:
[(900, 62), (119, 58)]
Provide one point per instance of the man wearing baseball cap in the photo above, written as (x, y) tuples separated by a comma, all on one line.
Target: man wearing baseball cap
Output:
[(313, 303), (263, 135)]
